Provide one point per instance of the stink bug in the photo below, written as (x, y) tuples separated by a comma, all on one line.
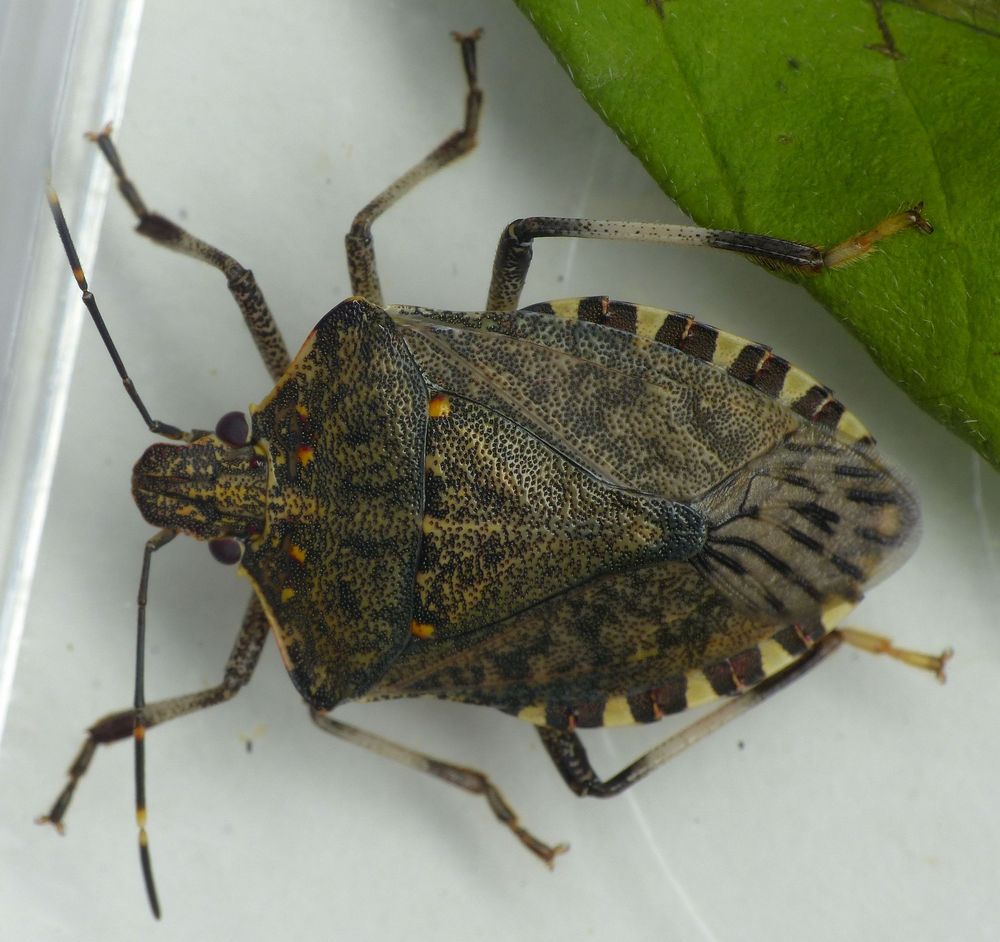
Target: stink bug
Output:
[(582, 513)]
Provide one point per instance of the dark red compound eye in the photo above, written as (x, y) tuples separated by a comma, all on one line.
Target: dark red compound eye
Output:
[(226, 550), (233, 429)]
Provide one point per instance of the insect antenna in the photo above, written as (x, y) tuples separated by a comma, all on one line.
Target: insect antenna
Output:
[(155, 426), (139, 729), (153, 544)]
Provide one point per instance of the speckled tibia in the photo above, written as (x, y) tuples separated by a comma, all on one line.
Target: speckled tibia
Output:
[(583, 513)]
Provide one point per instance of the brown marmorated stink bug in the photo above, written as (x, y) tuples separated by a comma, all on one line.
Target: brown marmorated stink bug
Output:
[(583, 513)]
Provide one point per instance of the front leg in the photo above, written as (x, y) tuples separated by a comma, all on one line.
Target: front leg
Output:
[(121, 725), (240, 281)]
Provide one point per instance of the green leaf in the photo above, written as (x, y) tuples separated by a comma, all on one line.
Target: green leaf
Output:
[(813, 120)]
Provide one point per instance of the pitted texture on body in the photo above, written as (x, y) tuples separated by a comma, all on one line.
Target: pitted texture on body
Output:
[(620, 633), (509, 522), (637, 413), (801, 511), (207, 489), (344, 430)]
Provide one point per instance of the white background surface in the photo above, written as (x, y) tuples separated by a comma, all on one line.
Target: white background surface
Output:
[(862, 804)]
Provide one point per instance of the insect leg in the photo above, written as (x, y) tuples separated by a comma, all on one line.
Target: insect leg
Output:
[(469, 779), (240, 281), (570, 757), (879, 644), (360, 249), (510, 267), (120, 725)]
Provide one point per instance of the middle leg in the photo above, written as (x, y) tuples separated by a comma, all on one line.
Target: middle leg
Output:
[(469, 779), (239, 280)]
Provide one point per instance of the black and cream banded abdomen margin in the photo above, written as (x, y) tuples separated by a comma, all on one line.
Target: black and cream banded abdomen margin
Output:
[(727, 677), (751, 363)]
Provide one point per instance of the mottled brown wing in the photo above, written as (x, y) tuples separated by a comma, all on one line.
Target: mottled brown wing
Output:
[(802, 510), (636, 413), (509, 522), (810, 521), (628, 647)]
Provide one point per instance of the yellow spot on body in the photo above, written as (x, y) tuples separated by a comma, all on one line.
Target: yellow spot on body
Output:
[(773, 657), (439, 406), (699, 690), (617, 712), (567, 310), (534, 714), (287, 594), (648, 321), (850, 429), (297, 553), (835, 612), (302, 410), (305, 454), (796, 385), (140, 817), (727, 349), (421, 629)]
